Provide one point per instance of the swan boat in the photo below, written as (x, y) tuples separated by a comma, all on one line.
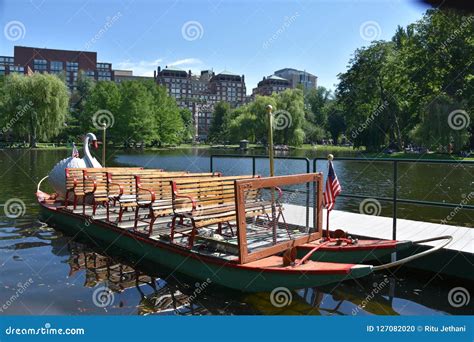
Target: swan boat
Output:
[(260, 256)]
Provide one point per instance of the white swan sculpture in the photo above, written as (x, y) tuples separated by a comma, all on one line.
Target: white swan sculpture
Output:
[(57, 176)]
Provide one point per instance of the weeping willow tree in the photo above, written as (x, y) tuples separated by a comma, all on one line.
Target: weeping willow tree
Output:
[(34, 107)]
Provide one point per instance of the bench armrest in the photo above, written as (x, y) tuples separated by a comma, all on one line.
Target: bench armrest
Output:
[(74, 179), (139, 187), (94, 184), (177, 195), (120, 188)]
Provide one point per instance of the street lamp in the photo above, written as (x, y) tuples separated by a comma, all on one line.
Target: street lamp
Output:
[(270, 139)]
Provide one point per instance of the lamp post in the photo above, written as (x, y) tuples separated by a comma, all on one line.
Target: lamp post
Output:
[(104, 125), (272, 170), (270, 139)]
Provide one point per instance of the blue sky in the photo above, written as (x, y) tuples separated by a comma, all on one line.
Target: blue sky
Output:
[(254, 38)]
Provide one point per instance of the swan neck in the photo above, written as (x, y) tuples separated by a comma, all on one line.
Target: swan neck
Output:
[(87, 153)]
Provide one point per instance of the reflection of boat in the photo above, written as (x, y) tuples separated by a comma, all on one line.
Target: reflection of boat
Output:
[(99, 269), (261, 269)]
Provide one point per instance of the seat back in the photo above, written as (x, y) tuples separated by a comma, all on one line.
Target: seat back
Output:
[(204, 192)]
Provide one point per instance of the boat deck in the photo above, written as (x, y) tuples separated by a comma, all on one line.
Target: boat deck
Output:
[(224, 246)]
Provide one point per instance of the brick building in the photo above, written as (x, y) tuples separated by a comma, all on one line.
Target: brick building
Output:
[(27, 60)]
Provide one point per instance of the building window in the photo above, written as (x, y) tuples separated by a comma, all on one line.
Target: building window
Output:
[(56, 66), (40, 65), (18, 69), (72, 66)]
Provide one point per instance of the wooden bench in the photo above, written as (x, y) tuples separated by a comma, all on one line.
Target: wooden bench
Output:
[(81, 182), (97, 187), (211, 201), (154, 192), (126, 184)]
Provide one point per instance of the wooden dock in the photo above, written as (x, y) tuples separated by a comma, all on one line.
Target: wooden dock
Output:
[(456, 259)]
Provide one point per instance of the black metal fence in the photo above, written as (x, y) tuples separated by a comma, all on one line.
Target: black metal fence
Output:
[(394, 199)]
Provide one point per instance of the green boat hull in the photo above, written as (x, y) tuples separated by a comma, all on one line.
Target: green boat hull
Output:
[(208, 269)]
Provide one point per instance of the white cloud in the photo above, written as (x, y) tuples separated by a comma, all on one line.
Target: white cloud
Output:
[(140, 68), (185, 61)]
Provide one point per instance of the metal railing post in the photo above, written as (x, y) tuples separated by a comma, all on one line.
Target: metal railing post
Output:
[(395, 194), (212, 165)]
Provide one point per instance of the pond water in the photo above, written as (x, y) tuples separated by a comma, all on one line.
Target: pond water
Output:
[(43, 272)]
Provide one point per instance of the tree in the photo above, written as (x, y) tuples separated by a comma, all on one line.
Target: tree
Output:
[(219, 123), (442, 125), (136, 116), (336, 122), (316, 100), (103, 100), (188, 123), (35, 106), (289, 117), (167, 116), (77, 104)]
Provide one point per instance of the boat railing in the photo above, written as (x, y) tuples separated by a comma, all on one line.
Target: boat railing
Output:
[(262, 228), (395, 199)]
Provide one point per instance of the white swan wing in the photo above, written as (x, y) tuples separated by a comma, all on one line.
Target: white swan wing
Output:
[(57, 176)]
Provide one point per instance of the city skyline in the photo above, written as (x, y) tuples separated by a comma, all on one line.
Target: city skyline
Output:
[(139, 35)]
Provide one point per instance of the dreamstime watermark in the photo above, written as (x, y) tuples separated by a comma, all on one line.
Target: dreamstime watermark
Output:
[(46, 330), (103, 297), (110, 21), (459, 296), (465, 201), (465, 24), (458, 119), (14, 30), (199, 288), (287, 22), (21, 111), (21, 288), (280, 297), (14, 208), (355, 133), (282, 119), (370, 206), (192, 30), (370, 30), (103, 117), (377, 287)]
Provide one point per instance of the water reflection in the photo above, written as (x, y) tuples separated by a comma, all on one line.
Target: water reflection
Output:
[(170, 294)]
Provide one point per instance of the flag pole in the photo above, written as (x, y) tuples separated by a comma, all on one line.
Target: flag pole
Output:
[(330, 159)]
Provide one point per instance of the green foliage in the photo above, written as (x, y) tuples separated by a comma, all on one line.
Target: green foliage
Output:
[(435, 130), (250, 122), (188, 123), (34, 107), (219, 129), (104, 96), (387, 90), (317, 100)]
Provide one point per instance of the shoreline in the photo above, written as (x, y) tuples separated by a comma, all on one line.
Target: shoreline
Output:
[(305, 148)]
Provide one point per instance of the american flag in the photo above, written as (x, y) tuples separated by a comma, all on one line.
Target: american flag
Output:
[(333, 188), (75, 152)]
